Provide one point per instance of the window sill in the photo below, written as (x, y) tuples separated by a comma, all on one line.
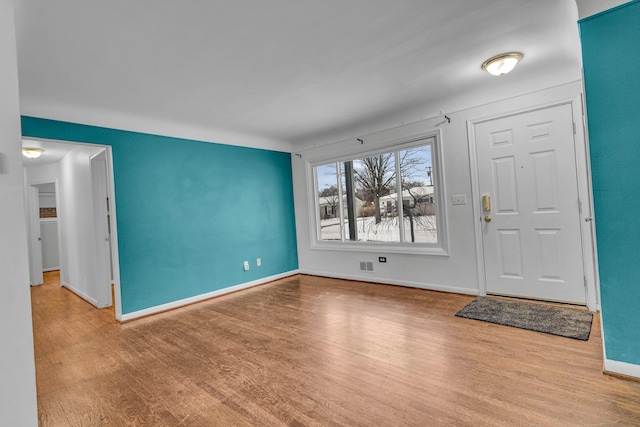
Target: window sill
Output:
[(379, 248)]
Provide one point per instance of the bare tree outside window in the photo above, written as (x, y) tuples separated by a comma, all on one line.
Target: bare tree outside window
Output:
[(375, 177)]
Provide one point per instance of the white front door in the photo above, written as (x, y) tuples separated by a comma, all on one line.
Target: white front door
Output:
[(530, 216)]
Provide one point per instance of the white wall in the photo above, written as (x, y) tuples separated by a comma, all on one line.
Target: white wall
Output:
[(591, 7), (456, 273), (78, 256), (17, 369), (47, 200), (48, 188), (42, 174)]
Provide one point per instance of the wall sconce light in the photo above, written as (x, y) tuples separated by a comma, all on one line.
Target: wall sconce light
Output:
[(32, 153), (501, 64)]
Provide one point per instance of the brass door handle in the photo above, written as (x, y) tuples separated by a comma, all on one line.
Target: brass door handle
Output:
[(487, 218)]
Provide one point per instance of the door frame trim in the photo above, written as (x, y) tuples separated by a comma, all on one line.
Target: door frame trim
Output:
[(33, 234), (583, 173)]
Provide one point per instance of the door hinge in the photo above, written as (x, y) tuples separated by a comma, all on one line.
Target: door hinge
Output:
[(580, 206), (585, 281), (574, 128)]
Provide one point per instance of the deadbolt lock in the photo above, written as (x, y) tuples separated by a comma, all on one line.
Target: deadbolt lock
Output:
[(486, 203)]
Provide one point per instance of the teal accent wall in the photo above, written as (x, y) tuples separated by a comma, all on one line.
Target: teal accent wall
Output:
[(189, 213), (611, 58)]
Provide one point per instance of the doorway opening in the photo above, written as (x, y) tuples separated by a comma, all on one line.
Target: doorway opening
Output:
[(77, 179), (43, 230)]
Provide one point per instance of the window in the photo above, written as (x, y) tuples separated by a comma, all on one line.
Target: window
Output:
[(389, 198)]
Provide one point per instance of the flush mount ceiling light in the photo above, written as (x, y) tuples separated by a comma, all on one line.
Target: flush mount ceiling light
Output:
[(32, 153), (501, 64)]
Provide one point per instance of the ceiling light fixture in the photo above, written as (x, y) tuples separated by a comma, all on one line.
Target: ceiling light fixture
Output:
[(32, 153), (501, 64)]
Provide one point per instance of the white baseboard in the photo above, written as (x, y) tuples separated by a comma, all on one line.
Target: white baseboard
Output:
[(197, 298), (81, 294), (409, 284), (44, 270), (622, 368)]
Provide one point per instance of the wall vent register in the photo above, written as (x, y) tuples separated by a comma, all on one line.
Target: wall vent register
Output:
[(366, 266)]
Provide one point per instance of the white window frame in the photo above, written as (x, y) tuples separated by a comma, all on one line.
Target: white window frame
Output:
[(438, 249)]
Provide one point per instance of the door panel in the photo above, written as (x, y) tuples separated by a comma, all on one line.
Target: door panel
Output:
[(510, 251), (50, 255), (531, 235), (506, 193), (101, 227), (545, 181), (35, 240)]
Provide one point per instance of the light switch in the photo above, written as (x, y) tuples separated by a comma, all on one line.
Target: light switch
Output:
[(459, 199)]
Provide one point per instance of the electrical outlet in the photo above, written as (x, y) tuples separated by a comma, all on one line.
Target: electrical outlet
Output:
[(246, 266), (259, 262)]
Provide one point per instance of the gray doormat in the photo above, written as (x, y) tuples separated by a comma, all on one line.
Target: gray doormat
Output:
[(565, 322)]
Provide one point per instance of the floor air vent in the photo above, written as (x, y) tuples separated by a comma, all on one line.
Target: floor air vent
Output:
[(366, 266)]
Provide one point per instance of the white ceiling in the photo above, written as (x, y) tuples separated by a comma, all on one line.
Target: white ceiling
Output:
[(285, 73), (53, 151), (591, 7)]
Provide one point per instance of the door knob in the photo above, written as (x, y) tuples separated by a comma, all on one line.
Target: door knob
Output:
[(487, 218)]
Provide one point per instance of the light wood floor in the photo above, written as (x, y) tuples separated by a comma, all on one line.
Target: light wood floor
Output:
[(307, 351)]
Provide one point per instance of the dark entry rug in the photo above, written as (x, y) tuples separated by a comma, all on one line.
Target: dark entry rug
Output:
[(565, 322)]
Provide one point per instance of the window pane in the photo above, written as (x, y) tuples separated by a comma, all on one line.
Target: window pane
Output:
[(328, 202), (374, 181), (418, 197)]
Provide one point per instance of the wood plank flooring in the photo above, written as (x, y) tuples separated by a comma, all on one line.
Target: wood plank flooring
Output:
[(307, 351)]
